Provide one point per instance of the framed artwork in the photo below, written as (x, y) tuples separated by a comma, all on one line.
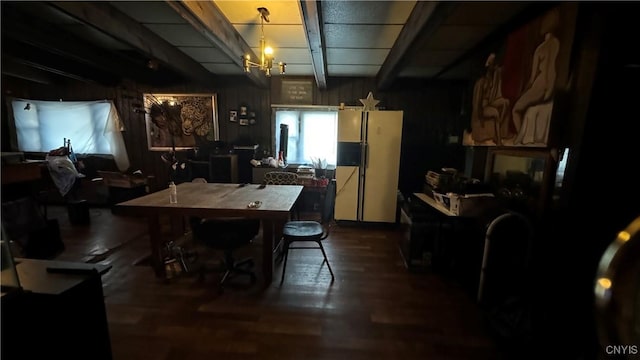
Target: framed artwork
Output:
[(514, 93), (180, 121), (233, 116)]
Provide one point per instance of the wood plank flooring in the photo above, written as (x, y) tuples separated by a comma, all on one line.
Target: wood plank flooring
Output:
[(375, 309)]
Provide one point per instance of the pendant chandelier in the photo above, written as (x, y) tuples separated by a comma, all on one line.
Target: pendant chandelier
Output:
[(266, 52)]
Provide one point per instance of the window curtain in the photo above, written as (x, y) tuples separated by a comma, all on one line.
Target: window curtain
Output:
[(94, 127)]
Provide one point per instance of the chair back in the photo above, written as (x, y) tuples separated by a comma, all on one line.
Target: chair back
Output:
[(505, 263), (280, 178)]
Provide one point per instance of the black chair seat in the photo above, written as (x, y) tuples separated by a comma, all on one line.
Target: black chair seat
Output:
[(227, 234), (303, 230)]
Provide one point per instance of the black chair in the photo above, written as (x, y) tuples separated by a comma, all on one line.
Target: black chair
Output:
[(228, 235), (505, 261), (504, 289), (283, 178), (310, 231)]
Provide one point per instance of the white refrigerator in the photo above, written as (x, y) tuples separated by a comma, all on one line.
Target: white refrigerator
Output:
[(368, 165)]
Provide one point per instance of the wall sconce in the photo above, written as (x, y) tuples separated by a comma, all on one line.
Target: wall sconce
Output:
[(266, 52)]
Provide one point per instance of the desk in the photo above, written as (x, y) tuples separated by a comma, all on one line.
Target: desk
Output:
[(21, 172), (461, 251), (442, 255), (211, 200), (60, 314), (433, 203)]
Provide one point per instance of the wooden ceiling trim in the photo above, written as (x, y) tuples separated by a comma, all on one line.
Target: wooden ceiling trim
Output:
[(208, 20), (16, 68), (312, 23), (30, 55), (529, 13), (69, 45), (113, 22), (423, 21)]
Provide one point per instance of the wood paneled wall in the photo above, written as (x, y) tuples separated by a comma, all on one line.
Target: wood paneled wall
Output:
[(431, 115)]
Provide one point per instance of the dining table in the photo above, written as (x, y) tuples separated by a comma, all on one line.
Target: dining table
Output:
[(271, 204)]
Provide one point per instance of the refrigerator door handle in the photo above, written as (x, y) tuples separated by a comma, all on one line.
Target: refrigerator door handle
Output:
[(366, 156)]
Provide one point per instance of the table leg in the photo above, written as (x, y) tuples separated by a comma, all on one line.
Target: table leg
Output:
[(271, 235), (267, 251), (155, 242)]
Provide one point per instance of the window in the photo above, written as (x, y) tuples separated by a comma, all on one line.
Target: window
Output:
[(92, 126), (312, 134)]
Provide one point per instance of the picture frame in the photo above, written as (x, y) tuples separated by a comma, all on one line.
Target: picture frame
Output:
[(244, 122), (191, 118), (233, 116)]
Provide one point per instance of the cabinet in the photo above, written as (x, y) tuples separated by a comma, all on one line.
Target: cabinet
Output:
[(59, 313), (223, 168), (245, 155), (218, 169), (417, 244)]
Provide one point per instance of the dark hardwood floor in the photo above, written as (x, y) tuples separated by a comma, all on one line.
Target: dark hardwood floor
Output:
[(375, 309)]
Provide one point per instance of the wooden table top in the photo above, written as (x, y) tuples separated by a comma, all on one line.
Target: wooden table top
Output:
[(219, 199)]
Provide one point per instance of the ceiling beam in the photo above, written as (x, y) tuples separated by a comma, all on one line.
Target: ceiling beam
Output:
[(529, 13), (209, 21), (68, 45), (312, 22), (18, 69), (423, 21), (29, 55), (115, 23)]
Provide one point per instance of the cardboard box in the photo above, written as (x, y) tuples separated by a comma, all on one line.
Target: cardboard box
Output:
[(471, 204)]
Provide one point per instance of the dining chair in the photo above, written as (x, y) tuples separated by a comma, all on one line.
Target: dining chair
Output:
[(280, 178), (300, 231), (227, 235), (283, 178)]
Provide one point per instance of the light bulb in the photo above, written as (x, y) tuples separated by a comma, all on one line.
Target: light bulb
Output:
[(268, 51)]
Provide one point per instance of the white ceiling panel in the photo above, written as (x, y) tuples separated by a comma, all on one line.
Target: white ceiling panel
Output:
[(294, 69), (290, 55), (353, 70), (179, 35), (366, 12), (246, 12), (274, 35), (356, 56), (361, 36), (205, 54), (149, 12)]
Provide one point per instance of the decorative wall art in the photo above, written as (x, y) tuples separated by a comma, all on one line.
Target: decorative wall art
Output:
[(180, 121), (233, 116), (513, 98)]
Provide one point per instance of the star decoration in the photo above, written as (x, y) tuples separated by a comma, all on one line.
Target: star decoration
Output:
[(369, 103)]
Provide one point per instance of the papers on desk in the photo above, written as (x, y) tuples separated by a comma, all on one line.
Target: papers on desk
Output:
[(465, 205)]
